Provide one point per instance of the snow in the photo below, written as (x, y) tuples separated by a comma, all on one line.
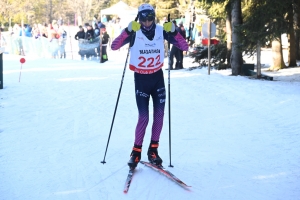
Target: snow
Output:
[(232, 137)]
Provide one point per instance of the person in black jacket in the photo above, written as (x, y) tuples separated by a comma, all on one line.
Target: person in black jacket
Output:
[(90, 34), (80, 34), (179, 64), (105, 39), (174, 51)]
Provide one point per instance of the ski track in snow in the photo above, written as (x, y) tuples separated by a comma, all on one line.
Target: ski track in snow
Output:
[(232, 137)]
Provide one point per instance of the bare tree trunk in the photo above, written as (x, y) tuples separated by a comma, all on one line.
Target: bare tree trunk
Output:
[(50, 11), (258, 64), (296, 28), (278, 62), (291, 39), (236, 54), (228, 37)]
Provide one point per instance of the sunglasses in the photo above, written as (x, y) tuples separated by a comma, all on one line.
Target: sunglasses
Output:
[(144, 16)]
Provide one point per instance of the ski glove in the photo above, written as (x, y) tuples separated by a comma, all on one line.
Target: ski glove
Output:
[(134, 26), (169, 27)]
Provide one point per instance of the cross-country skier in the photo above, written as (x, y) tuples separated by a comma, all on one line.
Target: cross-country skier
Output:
[(146, 60)]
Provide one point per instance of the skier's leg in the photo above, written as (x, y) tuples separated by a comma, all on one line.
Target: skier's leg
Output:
[(142, 101), (159, 97)]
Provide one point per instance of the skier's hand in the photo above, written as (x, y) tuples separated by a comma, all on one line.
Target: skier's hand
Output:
[(133, 26), (169, 27)]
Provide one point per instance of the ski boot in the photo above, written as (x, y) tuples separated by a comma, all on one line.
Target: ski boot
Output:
[(135, 156), (153, 156)]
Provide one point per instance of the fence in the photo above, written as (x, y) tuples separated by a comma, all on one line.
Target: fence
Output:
[(30, 46)]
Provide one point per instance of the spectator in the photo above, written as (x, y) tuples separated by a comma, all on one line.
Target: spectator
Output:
[(164, 20), (2, 39), (105, 39), (60, 21), (174, 51), (96, 30), (16, 30), (62, 42), (56, 31), (89, 35), (104, 19), (111, 32), (28, 30), (35, 31), (118, 27), (99, 23), (187, 29), (80, 34), (181, 30), (95, 19), (44, 30), (51, 32)]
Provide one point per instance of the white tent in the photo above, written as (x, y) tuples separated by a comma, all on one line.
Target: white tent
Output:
[(119, 8)]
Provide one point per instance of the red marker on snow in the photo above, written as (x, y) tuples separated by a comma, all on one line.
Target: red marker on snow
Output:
[(22, 60)]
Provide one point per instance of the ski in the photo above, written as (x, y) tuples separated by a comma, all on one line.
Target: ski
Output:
[(128, 180), (165, 172)]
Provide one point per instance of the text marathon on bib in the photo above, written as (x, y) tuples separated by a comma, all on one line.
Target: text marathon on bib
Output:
[(149, 51)]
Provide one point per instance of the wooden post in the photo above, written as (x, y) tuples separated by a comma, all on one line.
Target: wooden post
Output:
[(1, 68), (208, 44), (22, 38)]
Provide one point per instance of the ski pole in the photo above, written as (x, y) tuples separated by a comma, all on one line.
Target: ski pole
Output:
[(169, 98), (112, 123)]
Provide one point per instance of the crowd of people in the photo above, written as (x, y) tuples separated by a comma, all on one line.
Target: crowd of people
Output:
[(54, 30), (112, 27), (107, 29), (91, 32)]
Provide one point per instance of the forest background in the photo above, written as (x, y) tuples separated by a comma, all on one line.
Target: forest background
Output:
[(245, 26)]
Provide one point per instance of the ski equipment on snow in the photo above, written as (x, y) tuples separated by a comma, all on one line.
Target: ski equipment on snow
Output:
[(169, 94), (165, 172), (128, 180), (112, 123)]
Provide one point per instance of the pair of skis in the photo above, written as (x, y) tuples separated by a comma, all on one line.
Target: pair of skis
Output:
[(160, 169)]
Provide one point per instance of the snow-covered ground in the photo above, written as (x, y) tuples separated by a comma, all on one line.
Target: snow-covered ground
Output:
[(232, 137)]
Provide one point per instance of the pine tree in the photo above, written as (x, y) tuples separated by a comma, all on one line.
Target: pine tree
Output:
[(266, 22), (233, 16), (163, 8)]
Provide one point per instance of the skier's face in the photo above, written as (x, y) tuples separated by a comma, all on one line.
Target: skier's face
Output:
[(147, 23), (146, 17)]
